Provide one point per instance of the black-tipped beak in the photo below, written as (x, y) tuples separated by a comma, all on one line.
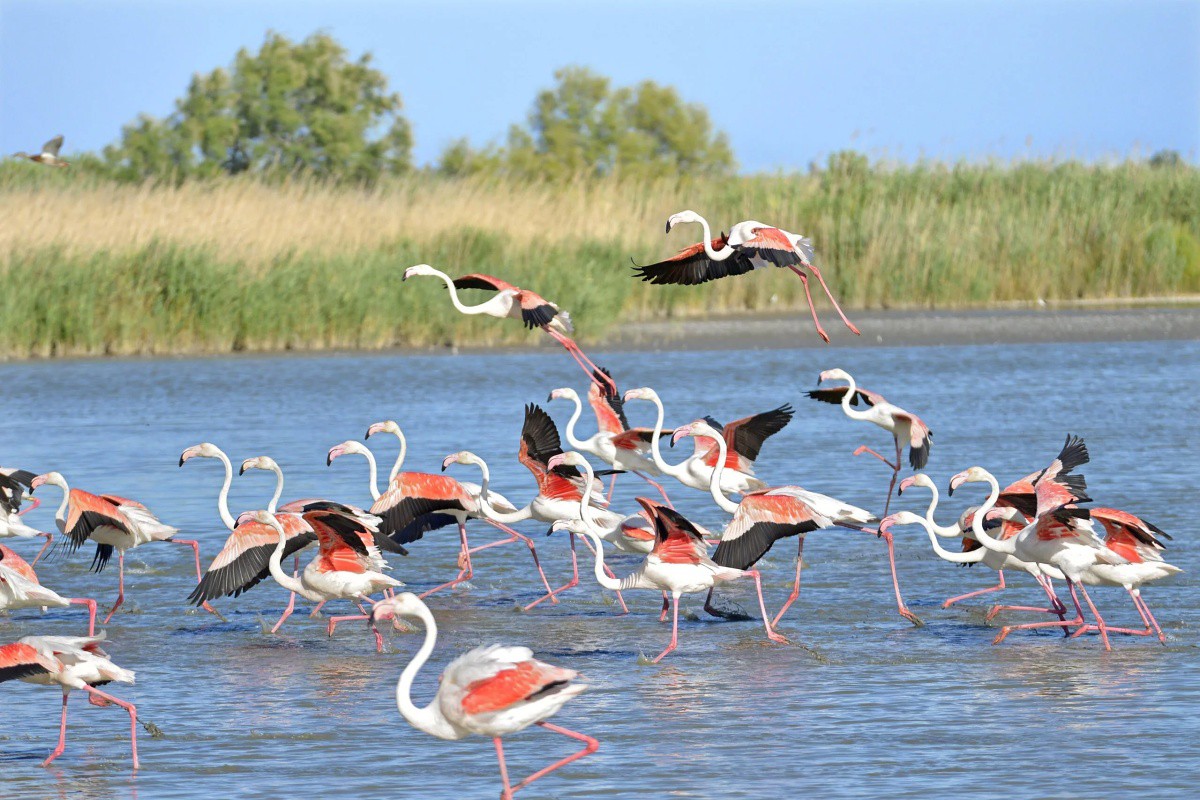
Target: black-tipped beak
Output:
[(181, 461), (550, 530), (900, 492), (549, 397), (328, 460), (443, 466), (242, 469), (951, 492), (367, 435), (668, 228)]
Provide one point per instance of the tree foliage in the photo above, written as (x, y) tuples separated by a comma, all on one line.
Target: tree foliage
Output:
[(289, 108), (584, 126)]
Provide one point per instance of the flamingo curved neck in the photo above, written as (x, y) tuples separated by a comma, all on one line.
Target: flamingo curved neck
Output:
[(585, 508), (947, 531), (971, 557), (223, 497), (428, 719), (400, 458), (372, 473), (572, 439), (1007, 546), (655, 453), (60, 516), (601, 577), (282, 578), (278, 489), (462, 309), (714, 480), (519, 515), (716, 255), (851, 391)]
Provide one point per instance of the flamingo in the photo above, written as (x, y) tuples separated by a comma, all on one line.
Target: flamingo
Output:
[(209, 450), (49, 154), (514, 302), (1009, 520), (491, 691), (14, 487), (615, 443), (19, 588), (750, 245), (903, 425), (1061, 536), (417, 502), (348, 566), (678, 564), (113, 523), (744, 439), (70, 663), (764, 516)]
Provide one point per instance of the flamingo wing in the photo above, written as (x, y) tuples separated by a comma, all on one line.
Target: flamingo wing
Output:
[(1130, 536), (691, 266), (417, 502), (245, 560), (676, 539), (495, 678), (14, 485), (834, 394), (744, 437), (763, 518), (540, 443), (537, 312), (9, 559), (607, 403), (768, 245), (1057, 485), (920, 438), (488, 283), (20, 660), (636, 438)]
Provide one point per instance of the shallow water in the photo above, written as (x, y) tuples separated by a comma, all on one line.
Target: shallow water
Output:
[(870, 705)]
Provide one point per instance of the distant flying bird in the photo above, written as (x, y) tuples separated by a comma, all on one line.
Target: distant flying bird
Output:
[(750, 245), (49, 154), (514, 302), (491, 691)]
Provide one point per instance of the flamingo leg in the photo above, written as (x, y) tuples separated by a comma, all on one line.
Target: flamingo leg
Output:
[(464, 561), (1099, 620), (998, 587), (667, 604), (892, 485), (120, 586), (506, 792), (829, 294), (612, 487), (808, 296), (900, 606), (653, 483), (1062, 622), (291, 606), (1153, 622), (62, 733), (196, 551), (568, 585), (513, 536), (762, 607), (795, 586), (91, 607), (590, 746), (674, 628), (96, 693), (864, 449), (316, 612), (585, 363), (49, 540), (34, 502)]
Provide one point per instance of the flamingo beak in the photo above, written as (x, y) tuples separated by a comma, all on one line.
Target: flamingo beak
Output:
[(957, 481), (448, 460), (556, 461), (334, 452), (680, 433)]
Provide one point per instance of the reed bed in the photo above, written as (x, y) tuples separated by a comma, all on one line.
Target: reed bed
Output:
[(94, 267)]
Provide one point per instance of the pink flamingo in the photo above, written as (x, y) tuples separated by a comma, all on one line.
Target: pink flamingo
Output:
[(904, 426), (491, 691), (70, 663), (20, 588), (513, 302), (113, 523), (14, 487), (750, 245)]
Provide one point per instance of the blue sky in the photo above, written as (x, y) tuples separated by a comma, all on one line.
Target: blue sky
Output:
[(789, 82)]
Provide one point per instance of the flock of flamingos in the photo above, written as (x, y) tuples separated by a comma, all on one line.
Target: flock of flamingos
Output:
[(1038, 525)]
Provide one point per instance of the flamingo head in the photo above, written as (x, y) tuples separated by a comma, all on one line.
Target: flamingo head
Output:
[(682, 217), (419, 269), (563, 393), (920, 479), (572, 525), (51, 478), (258, 462), (899, 518), (833, 375), (348, 446), (405, 604), (642, 393), (262, 518), (461, 457), (569, 458), (698, 428), (202, 450), (387, 426), (972, 475)]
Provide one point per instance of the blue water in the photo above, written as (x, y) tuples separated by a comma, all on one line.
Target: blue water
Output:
[(870, 706)]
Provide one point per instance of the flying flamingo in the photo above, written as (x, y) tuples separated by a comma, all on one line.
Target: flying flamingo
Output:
[(1061, 536), (14, 486), (744, 439), (1008, 520), (514, 302), (750, 245), (348, 566), (491, 691), (19, 588), (49, 154), (70, 663), (766, 515), (615, 443), (113, 523), (904, 426)]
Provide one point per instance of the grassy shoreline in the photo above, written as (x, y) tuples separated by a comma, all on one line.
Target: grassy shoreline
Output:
[(100, 268)]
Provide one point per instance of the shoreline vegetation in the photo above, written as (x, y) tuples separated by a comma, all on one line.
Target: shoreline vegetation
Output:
[(94, 267)]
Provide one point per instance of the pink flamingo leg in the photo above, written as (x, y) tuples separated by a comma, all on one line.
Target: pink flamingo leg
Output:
[(464, 560), (653, 483), (612, 487), (62, 733), (551, 595), (196, 551), (1058, 623), (808, 296), (133, 723), (836, 307), (795, 586), (91, 607), (291, 606), (34, 502), (515, 536), (120, 586), (590, 746), (998, 587), (40, 553), (1057, 606), (762, 607), (316, 612), (1096, 615), (674, 629), (585, 363), (662, 617), (895, 470), (1153, 622), (900, 606)]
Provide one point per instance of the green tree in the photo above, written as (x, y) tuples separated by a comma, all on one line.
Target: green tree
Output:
[(583, 125), (289, 108)]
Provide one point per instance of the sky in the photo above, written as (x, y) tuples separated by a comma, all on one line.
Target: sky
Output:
[(789, 82)]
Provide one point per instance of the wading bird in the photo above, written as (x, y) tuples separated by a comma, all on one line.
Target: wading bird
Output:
[(209, 450), (113, 523), (750, 245), (515, 303), (70, 663), (767, 515), (491, 691), (14, 490), (19, 588), (48, 156), (904, 426)]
